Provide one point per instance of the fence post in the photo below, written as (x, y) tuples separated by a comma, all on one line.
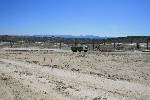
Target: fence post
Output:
[(104, 42), (131, 41), (75, 42), (114, 44), (11, 44), (60, 45), (137, 45), (93, 44), (44, 59), (147, 44)]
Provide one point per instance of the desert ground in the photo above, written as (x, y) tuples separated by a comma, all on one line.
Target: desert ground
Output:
[(64, 75)]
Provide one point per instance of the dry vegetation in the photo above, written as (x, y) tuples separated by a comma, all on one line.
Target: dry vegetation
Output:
[(58, 75)]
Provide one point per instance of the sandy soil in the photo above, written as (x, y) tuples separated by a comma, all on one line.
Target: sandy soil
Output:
[(53, 75)]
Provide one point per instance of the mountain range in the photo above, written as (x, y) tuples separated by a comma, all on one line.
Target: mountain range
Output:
[(72, 36)]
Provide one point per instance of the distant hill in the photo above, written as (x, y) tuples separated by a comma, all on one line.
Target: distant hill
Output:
[(72, 39), (129, 39)]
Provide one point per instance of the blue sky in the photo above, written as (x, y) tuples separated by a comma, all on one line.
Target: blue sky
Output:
[(75, 17)]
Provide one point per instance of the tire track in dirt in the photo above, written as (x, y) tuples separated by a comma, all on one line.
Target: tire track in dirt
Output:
[(21, 84), (75, 85)]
